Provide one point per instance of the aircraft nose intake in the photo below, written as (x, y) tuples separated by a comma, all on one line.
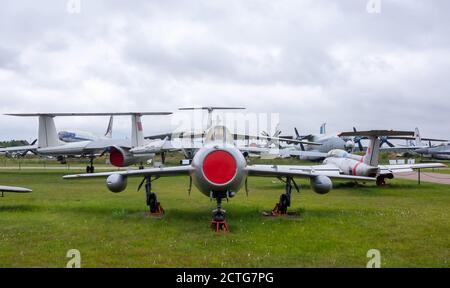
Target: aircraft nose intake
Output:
[(219, 167)]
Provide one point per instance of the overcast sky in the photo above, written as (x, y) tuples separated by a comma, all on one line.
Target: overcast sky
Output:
[(310, 61)]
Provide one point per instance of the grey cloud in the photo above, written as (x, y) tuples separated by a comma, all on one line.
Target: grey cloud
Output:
[(311, 61)]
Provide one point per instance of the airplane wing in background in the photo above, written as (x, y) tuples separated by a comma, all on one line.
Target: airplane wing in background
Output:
[(14, 189), (402, 168), (301, 171), (162, 171), (18, 149)]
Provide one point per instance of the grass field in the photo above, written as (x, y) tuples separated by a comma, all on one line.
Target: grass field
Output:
[(409, 224)]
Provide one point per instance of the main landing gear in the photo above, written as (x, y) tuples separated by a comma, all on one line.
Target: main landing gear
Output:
[(381, 180), (152, 200), (90, 168), (285, 199), (219, 222)]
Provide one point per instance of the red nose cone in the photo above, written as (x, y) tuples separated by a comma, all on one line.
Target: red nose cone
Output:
[(219, 167)]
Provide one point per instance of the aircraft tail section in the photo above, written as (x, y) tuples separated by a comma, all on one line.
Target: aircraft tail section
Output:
[(417, 138), (48, 137), (373, 152), (108, 133), (323, 129), (137, 133)]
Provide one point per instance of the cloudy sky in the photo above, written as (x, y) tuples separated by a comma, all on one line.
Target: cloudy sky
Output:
[(311, 61)]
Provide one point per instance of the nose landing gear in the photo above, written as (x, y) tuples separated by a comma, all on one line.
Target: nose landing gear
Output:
[(90, 168), (219, 222)]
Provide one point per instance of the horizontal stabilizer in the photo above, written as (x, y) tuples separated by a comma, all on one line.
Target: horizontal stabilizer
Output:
[(376, 133), (212, 108), (87, 114)]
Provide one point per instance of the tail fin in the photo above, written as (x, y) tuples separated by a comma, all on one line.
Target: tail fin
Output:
[(48, 137), (323, 129), (373, 152), (137, 133), (417, 137), (108, 133)]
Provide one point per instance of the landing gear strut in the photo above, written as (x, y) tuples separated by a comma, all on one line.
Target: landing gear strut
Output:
[(381, 181), (90, 168), (219, 222), (152, 200), (285, 199)]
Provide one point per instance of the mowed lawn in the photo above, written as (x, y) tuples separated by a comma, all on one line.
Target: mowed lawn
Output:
[(407, 223)]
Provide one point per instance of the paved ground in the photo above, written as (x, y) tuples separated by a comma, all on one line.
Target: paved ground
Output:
[(426, 177)]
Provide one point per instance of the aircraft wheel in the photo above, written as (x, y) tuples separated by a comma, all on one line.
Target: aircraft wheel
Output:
[(284, 202), (152, 202), (381, 181), (88, 169)]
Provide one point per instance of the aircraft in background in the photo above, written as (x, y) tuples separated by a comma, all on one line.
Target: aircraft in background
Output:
[(219, 170), (195, 139), (12, 189), (78, 136), (438, 152), (328, 142), (48, 143), (416, 146), (340, 162)]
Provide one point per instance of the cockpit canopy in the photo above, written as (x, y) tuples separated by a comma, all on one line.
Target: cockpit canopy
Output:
[(337, 153), (219, 134)]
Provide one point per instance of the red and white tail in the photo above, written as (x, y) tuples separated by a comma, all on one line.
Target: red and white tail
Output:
[(372, 156), (137, 133)]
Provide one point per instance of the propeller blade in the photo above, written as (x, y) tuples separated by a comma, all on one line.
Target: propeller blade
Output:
[(296, 132), (390, 143), (302, 146), (34, 142)]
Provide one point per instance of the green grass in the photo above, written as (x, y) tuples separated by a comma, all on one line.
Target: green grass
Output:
[(409, 224)]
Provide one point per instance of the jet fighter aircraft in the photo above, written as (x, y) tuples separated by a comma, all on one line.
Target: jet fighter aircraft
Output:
[(219, 170), (50, 145), (328, 142), (340, 162)]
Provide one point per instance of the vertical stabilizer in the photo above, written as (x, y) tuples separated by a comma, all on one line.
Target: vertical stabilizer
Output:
[(48, 137), (417, 138), (137, 133), (323, 129), (108, 133), (373, 152)]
